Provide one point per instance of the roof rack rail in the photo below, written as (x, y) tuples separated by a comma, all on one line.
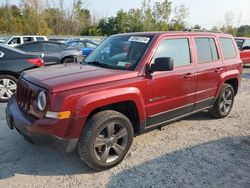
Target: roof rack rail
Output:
[(201, 30)]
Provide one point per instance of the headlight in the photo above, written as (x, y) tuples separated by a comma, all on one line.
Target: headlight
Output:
[(41, 101)]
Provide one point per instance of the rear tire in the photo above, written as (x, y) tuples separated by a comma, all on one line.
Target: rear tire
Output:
[(106, 139), (67, 60), (8, 86), (224, 103)]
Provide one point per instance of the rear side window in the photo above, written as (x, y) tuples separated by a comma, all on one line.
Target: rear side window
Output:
[(39, 39), (228, 49), (32, 47), (27, 39), (178, 49), (206, 50)]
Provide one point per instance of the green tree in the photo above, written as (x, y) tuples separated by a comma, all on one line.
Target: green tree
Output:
[(178, 23)]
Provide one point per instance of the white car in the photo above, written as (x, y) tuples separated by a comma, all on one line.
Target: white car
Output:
[(16, 40)]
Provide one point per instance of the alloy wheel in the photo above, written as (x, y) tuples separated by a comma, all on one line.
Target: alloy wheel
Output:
[(226, 101), (7, 88), (111, 143)]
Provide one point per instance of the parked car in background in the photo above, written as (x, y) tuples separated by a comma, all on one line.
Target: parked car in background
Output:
[(16, 40), (87, 46), (53, 52), (12, 63), (244, 47)]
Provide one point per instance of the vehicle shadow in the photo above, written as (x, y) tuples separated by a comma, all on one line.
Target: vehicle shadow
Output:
[(220, 163), (204, 115), (19, 157)]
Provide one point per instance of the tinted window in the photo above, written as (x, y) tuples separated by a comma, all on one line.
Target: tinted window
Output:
[(247, 43), (32, 47), (178, 49), (239, 42), (206, 50), (39, 38), (27, 39), (228, 49), (50, 46), (214, 50), (203, 50), (78, 44), (15, 40)]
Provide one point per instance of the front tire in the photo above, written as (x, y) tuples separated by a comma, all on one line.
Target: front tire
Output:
[(8, 86), (224, 103), (106, 139)]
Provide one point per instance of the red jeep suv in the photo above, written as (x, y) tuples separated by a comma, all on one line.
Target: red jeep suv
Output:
[(243, 44), (130, 84)]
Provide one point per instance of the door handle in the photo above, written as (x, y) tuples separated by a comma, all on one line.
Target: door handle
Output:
[(188, 75), (219, 69)]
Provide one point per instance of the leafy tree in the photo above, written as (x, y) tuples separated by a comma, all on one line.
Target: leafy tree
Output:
[(244, 31)]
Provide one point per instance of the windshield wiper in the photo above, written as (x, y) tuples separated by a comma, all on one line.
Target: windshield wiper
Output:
[(97, 63)]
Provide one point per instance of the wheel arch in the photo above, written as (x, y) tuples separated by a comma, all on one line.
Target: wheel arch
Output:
[(124, 100)]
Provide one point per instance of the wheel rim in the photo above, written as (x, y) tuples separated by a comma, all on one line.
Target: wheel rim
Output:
[(111, 143), (7, 88), (226, 101)]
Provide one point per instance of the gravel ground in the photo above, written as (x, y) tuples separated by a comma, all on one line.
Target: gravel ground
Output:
[(198, 151)]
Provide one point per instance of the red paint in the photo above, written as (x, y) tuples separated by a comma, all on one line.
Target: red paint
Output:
[(81, 88), (244, 54)]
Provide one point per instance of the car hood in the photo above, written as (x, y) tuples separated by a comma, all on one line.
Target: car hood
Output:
[(72, 76)]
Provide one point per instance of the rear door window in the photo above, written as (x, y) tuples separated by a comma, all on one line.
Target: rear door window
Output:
[(206, 50), (178, 49), (33, 47), (50, 47), (228, 49), (27, 39)]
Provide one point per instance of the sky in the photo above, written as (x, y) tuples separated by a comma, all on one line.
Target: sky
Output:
[(206, 13)]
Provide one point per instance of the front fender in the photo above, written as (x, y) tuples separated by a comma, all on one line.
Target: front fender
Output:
[(87, 103)]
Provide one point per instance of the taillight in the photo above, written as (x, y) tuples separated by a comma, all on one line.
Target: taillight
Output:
[(36, 61)]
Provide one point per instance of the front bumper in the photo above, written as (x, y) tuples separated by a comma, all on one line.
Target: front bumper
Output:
[(34, 132)]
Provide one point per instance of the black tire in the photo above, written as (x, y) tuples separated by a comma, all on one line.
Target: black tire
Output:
[(96, 140), (224, 103), (68, 60), (7, 89)]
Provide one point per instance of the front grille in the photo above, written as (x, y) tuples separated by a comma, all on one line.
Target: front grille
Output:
[(26, 98), (24, 95)]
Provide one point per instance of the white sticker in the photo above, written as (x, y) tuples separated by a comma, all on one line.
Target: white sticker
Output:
[(139, 39)]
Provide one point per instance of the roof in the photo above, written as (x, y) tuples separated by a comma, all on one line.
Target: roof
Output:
[(174, 33)]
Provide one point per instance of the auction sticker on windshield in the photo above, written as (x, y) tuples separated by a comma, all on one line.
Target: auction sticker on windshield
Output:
[(139, 39)]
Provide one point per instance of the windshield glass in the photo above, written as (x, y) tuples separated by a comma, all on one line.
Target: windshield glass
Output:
[(120, 52), (239, 42)]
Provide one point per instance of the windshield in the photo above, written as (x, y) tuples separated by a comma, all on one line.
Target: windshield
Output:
[(239, 43), (4, 39), (120, 52)]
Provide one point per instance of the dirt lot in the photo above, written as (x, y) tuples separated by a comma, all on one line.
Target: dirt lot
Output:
[(198, 151)]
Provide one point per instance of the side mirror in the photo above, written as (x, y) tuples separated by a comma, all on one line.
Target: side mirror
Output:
[(162, 64), (246, 48)]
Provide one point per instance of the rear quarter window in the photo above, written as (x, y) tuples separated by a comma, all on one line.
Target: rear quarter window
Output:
[(39, 39), (228, 48)]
